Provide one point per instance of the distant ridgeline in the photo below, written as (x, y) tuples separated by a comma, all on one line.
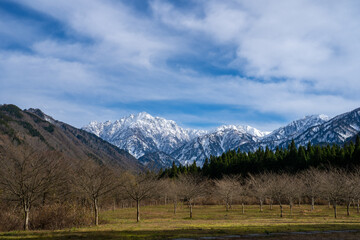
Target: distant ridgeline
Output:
[(289, 160)]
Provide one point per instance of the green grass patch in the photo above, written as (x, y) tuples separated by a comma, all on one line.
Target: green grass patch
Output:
[(159, 222)]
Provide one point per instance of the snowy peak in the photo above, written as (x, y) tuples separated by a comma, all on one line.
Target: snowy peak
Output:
[(242, 129), (296, 127), (336, 131), (142, 133), (156, 140), (215, 143)]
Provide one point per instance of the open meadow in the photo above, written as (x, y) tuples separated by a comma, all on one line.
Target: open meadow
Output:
[(159, 222)]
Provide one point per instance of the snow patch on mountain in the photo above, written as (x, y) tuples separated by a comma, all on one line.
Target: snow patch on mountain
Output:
[(143, 133), (157, 141)]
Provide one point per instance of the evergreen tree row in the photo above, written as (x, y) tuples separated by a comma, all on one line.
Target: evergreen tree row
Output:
[(289, 160)]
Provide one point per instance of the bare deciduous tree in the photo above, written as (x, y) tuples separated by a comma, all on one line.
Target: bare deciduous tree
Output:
[(191, 187), (290, 189), (350, 192), (242, 191), (332, 187), (258, 187), (226, 188), (277, 189), (173, 191), (94, 181), (311, 183), (140, 186), (26, 175)]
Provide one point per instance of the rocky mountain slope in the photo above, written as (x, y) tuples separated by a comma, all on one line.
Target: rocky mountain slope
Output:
[(337, 130), (143, 133), (215, 143), (34, 128), (291, 131), (153, 137)]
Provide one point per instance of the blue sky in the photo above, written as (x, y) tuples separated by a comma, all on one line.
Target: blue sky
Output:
[(200, 63)]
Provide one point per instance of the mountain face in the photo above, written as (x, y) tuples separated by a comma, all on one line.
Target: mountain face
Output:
[(291, 131), (215, 143), (143, 133), (152, 138), (159, 142), (337, 130), (34, 128)]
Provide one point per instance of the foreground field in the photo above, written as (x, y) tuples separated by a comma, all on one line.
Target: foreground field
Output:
[(159, 222)]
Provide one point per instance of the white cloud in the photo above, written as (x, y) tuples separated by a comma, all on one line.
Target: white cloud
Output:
[(312, 46)]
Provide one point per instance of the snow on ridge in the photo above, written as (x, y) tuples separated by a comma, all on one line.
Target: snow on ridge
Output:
[(243, 129), (142, 133)]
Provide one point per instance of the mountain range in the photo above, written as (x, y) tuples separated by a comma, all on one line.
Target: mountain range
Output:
[(140, 140), (158, 142)]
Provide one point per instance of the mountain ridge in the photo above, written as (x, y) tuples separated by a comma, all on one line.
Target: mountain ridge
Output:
[(188, 148), (33, 128)]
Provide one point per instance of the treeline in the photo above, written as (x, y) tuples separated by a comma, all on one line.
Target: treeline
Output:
[(289, 160), (332, 186)]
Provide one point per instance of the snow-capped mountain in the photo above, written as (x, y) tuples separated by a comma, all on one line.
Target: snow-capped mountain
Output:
[(291, 131), (143, 133), (158, 142), (335, 131), (215, 143)]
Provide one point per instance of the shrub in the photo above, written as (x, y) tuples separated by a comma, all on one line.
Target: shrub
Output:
[(59, 216)]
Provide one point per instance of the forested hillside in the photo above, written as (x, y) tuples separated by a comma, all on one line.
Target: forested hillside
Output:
[(290, 160)]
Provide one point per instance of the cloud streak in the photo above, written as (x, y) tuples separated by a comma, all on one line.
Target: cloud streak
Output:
[(276, 60)]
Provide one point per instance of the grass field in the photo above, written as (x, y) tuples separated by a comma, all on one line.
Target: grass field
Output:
[(159, 222)]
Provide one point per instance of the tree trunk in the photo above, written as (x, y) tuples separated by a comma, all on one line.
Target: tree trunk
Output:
[(227, 206), (114, 205), (348, 209), (190, 205), (291, 207), (299, 201), (137, 210), (243, 209), (312, 203), (335, 213), (271, 204), (175, 206), (261, 205), (281, 210), (358, 206), (26, 216), (96, 212), (165, 200)]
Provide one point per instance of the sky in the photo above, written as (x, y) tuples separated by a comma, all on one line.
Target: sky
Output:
[(201, 63)]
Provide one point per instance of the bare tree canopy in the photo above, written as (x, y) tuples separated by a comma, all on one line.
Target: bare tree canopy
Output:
[(94, 181), (311, 183), (259, 187), (26, 175), (192, 186), (139, 187), (226, 189)]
